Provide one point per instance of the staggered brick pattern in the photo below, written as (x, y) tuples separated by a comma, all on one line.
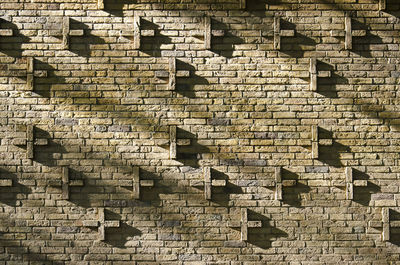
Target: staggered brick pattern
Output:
[(199, 132)]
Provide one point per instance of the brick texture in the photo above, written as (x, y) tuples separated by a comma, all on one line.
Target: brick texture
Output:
[(199, 132)]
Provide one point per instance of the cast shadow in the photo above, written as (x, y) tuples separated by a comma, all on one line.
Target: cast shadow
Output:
[(393, 8), (152, 45), (47, 154), (263, 236), (12, 45), (83, 196), (292, 195), (18, 70), (24, 255), (221, 195), (258, 7), (361, 44), (186, 85), (149, 196), (11, 195), (191, 154), (85, 45), (394, 216), (330, 154), (362, 195), (326, 86), (116, 7), (337, 6), (45, 78), (295, 46), (224, 46), (119, 236)]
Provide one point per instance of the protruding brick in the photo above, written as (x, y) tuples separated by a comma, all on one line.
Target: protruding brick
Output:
[(172, 143), (382, 5), (30, 74), (386, 224), (314, 142), (100, 4), (172, 73), (136, 32), (313, 74), (136, 183), (207, 33), (349, 183), (348, 31), (65, 33), (278, 183), (242, 4)]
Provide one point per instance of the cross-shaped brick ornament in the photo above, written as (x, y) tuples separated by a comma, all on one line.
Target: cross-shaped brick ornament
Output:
[(136, 183), (101, 224), (208, 183), (278, 33), (244, 224), (29, 141)]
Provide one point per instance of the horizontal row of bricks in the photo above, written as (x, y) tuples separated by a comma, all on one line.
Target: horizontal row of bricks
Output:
[(208, 183), (243, 3), (207, 33)]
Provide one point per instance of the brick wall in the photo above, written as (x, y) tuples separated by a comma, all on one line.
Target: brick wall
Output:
[(199, 132)]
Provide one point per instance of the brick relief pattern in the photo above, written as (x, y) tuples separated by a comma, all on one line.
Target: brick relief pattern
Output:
[(199, 132)]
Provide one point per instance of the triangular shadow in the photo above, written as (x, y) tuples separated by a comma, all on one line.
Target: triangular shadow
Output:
[(394, 231), (331, 154), (152, 45), (224, 46), (331, 4), (116, 7), (85, 45), (263, 236), (119, 236), (327, 85), (362, 195), (11, 195), (258, 7), (44, 81), (292, 195), (83, 196), (393, 8), (361, 45), (46, 154), (191, 154), (12, 45), (295, 46), (186, 85)]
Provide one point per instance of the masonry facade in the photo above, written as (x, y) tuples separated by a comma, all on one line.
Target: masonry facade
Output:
[(199, 132)]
